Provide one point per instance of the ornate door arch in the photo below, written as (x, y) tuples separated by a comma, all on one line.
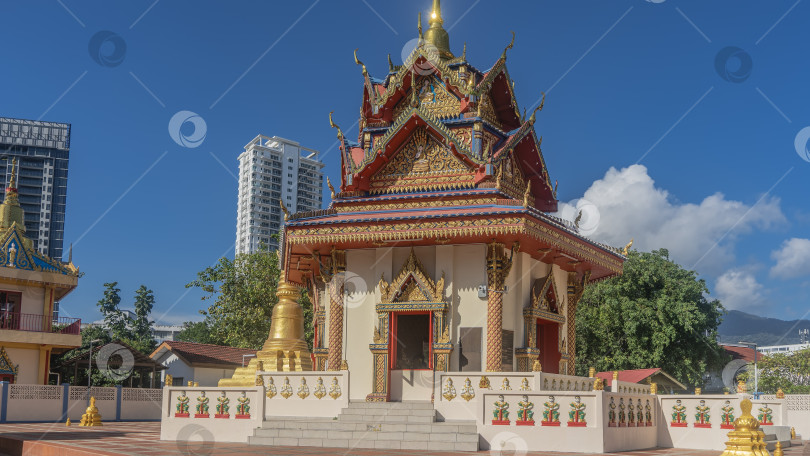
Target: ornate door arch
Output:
[(545, 306), (412, 290)]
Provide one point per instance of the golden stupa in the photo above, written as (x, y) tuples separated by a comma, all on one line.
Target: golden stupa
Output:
[(285, 349)]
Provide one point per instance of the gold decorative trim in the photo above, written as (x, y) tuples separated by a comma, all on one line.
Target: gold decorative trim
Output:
[(489, 226)]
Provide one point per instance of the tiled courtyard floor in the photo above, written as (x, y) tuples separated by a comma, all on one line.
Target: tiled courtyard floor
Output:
[(115, 439)]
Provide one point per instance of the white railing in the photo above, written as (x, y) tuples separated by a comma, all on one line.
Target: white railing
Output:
[(618, 386), (321, 394), (210, 413)]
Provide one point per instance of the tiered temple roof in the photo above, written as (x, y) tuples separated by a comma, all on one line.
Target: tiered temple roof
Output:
[(443, 155)]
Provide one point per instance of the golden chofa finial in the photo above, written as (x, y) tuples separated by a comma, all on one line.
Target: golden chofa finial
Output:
[(508, 46), (284, 210), (331, 188), (358, 62), (390, 64), (538, 108), (626, 248), (419, 25), (334, 125)]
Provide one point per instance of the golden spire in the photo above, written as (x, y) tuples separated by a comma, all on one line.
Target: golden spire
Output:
[(436, 34), (419, 25), (13, 182), (10, 210)]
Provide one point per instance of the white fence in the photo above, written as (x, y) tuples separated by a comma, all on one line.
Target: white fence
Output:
[(57, 403), (211, 413)]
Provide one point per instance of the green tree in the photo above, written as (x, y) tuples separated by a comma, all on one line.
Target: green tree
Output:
[(788, 371), (244, 293), (654, 315), (141, 326), (197, 331), (115, 320)]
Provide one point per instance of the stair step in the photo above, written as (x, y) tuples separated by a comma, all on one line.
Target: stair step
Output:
[(365, 443), (410, 405), (377, 419), (374, 425), (389, 412)]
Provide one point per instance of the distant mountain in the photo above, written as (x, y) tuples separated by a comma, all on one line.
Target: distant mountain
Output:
[(739, 326)]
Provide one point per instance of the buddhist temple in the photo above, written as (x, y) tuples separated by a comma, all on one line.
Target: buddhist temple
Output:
[(445, 292), (30, 283), (439, 250)]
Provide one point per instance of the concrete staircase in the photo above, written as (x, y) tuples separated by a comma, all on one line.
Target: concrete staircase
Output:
[(383, 425)]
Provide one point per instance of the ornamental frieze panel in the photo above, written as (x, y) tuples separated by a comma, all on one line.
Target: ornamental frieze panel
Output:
[(509, 178), (433, 97), (422, 163), (488, 226), (414, 204), (486, 111)]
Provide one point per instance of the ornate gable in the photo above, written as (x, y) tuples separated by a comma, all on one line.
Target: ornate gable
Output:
[(17, 251), (412, 284), (6, 367), (422, 164), (545, 297), (433, 96)]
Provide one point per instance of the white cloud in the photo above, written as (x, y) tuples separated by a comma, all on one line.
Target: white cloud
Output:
[(631, 206), (739, 290), (792, 259)]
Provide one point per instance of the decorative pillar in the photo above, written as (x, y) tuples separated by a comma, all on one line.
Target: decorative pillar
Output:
[(335, 288), (379, 351), (320, 352), (498, 267), (575, 289)]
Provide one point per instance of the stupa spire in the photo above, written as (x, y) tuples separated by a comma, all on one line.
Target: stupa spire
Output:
[(10, 210), (436, 34)]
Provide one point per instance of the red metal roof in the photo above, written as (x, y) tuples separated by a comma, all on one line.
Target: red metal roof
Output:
[(631, 376), (743, 353), (195, 353)]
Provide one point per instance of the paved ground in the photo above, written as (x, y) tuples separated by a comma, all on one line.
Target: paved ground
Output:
[(117, 439)]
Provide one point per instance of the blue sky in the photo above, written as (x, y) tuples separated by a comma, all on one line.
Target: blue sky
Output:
[(638, 120)]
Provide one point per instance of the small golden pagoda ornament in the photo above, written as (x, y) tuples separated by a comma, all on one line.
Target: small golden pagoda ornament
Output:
[(746, 438), (67, 423), (91, 416), (285, 349)]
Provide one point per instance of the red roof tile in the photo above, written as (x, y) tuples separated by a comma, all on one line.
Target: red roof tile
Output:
[(743, 353), (631, 376), (204, 353)]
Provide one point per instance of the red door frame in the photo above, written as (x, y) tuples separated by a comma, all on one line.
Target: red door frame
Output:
[(392, 350), (541, 344)]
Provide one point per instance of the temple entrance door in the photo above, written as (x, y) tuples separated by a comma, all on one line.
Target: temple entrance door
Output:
[(411, 340), (548, 342)]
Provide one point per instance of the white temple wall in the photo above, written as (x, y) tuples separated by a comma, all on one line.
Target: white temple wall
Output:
[(445, 263), (28, 362), (469, 311), (363, 269)]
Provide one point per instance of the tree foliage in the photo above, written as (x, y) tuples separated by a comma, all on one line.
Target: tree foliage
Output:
[(788, 371), (114, 319), (243, 291), (141, 326), (656, 314), (199, 332)]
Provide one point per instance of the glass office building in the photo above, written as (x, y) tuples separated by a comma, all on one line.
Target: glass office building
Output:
[(42, 150)]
